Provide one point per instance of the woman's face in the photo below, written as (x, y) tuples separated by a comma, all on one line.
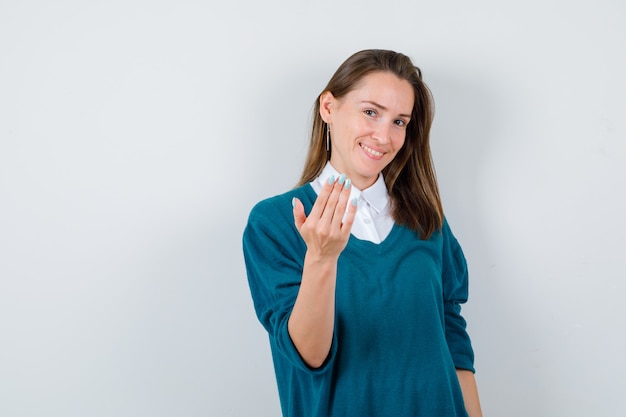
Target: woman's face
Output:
[(368, 125)]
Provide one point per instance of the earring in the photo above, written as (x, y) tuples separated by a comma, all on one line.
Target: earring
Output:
[(327, 138)]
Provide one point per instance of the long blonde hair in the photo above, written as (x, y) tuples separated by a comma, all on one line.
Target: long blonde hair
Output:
[(410, 176)]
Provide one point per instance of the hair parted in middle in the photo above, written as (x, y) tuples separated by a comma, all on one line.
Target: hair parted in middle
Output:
[(410, 176)]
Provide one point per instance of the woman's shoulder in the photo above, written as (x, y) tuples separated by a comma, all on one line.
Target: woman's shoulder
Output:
[(281, 203)]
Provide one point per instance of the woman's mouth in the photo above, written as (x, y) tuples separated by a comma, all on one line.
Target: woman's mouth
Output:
[(372, 152)]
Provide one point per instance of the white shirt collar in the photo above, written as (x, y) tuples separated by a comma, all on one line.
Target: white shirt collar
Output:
[(377, 195)]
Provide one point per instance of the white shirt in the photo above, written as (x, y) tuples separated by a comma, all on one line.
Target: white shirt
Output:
[(373, 219)]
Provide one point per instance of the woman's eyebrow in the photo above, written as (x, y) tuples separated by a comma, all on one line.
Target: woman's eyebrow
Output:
[(380, 106)]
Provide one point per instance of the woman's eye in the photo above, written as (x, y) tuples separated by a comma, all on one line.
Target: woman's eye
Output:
[(370, 112), (400, 122)]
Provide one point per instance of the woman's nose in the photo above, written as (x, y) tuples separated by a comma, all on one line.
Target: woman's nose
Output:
[(382, 133)]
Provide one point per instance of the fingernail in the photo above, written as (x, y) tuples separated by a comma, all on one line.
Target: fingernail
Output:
[(341, 179), (354, 201), (348, 184), (331, 180), (293, 202)]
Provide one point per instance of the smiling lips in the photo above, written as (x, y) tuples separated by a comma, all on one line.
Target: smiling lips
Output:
[(374, 153)]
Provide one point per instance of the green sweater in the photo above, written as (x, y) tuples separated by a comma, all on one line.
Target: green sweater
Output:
[(398, 333)]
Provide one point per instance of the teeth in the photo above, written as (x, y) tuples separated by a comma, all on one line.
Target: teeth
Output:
[(372, 151)]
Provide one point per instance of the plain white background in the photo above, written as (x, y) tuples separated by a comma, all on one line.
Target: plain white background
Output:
[(135, 136)]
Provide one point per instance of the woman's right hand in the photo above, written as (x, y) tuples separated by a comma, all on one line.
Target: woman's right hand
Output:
[(326, 230), (312, 320)]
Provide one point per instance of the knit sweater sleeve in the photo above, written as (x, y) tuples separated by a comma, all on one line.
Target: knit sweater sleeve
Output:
[(455, 292), (274, 255)]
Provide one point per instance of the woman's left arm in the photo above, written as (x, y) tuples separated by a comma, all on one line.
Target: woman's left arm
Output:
[(470, 392)]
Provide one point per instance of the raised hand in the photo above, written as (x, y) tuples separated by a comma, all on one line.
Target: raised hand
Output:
[(326, 232), (327, 228)]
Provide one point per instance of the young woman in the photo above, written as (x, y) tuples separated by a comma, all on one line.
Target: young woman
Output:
[(355, 273)]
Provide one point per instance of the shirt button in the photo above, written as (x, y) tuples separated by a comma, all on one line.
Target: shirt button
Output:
[(366, 221)]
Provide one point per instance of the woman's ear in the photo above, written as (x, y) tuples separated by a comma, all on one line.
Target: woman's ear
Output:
[(327, 101)]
